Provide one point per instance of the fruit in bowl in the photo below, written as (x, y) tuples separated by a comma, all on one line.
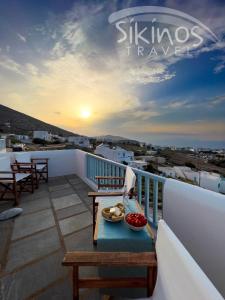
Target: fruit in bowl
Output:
[(136, 221)]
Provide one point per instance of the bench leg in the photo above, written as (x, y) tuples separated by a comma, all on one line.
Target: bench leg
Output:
[(151, 278), (75, 283)]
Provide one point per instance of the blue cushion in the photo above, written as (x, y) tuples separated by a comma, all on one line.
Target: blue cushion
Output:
[(10, 213)]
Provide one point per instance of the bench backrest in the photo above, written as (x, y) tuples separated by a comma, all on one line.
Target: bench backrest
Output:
[(179, 276), (197, 217)]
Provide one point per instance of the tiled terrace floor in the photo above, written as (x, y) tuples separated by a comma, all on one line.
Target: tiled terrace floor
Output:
[(56, 218)]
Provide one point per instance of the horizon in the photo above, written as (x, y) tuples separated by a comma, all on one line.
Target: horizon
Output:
[(60, 63)]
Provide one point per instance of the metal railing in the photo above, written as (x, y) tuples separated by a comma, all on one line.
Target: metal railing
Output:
[(149, 186)]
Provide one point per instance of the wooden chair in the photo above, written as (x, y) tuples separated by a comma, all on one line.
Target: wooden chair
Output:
[(13, 182), (123, 185), (178, 275), (40, 165)]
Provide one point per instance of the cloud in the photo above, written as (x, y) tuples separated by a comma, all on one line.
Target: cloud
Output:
[(216, 100), (220, 65), (10, 64), (21, 37), (32, 69), (177, 104)]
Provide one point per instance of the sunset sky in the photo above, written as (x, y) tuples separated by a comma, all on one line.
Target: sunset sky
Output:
[(59, 62)]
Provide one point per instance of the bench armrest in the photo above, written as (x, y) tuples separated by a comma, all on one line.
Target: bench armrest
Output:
[(110, 259)]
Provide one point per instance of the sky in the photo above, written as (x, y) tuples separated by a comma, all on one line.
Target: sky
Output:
[(60, 62)]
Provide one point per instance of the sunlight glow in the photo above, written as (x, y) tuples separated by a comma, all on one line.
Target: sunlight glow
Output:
[(85, 114)]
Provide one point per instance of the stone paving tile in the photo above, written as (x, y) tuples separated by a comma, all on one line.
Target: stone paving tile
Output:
[(28, 224), (35, 205), (75, 223), (71, 176), (66, 201), (5, 234), (58, 187), (81, 240), (87, 200), (27, 281), (90, 294), (57, 181), (60, 291), (70, 211), (40, 194), (62, 193), (75, 181), (43, 186), (81, 187), (5, 205), (33, 247)]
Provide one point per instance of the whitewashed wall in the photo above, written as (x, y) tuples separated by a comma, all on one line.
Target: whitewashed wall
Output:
[(61, 162), (81, 167), (197, 217)]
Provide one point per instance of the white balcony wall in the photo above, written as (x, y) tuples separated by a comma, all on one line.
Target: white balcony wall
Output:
[(61, 162), (81, 167), (197, 217), (2, 145)]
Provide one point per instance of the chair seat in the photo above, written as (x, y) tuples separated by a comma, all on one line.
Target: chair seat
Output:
[(21, 176), (40, 167)]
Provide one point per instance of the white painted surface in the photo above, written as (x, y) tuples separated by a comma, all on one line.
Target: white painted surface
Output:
[(41, 134), (197, 217), (2, 145), (61, 162), (81, 167), (81, 141), (117, 154), (138, 164)]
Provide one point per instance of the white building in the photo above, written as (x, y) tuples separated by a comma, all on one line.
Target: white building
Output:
[(2, 145), (207, 180), (117, 154), (138, 164), (167, 171), (41, 134), (81, 141)]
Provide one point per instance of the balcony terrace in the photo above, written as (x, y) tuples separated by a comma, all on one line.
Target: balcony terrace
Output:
[(58, 218)]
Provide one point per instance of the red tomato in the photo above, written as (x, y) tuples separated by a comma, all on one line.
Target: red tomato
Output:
[(136, 219)]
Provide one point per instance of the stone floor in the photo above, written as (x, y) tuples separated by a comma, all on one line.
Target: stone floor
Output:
[(55, 219)]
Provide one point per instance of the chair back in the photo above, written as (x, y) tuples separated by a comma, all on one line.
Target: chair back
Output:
[(23, 157), (130, 179), (179, 276), (5, 166)]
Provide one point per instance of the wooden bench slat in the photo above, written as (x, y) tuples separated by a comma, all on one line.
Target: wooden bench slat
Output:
[(98, 282), (104, 194), (110, 259)]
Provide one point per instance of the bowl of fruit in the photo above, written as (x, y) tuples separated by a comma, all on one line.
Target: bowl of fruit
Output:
[(135, 221)]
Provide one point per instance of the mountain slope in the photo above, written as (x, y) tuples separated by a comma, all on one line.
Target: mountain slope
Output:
[(12, 121), (113, 138)]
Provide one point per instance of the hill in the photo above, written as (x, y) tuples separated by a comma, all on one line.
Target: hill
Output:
[(12, 121), (115, 139)]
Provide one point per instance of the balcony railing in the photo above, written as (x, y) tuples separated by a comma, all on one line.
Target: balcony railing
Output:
[(149, 186)]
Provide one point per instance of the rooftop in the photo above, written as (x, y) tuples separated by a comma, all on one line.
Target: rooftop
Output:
[(56, 218)]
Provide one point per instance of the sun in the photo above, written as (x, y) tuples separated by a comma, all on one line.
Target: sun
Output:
[(85, 114)]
